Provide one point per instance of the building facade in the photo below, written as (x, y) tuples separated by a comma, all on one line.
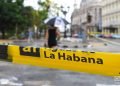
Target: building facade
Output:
[(111, 16), (94, 9), (75, 20)]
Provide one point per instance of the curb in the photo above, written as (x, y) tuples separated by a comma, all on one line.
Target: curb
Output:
[(105, 40), (111, 42)]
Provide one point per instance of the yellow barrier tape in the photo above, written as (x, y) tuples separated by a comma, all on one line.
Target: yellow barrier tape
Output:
[(90, 62)]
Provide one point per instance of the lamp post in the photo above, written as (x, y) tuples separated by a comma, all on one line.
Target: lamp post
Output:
[(65, 13)]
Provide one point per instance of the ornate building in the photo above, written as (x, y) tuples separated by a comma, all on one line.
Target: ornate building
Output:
[(92, 7), (111, 16), (75, 19)]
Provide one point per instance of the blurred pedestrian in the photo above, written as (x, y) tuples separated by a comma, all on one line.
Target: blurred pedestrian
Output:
[(52, 36), (30, 35), (22, 35), (84, 33)]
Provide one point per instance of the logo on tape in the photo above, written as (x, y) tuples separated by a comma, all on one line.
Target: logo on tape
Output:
[(30, 51)]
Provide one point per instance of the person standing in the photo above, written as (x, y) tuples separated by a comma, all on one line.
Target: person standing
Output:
[(30, 35), (52, 34), (84, 34)]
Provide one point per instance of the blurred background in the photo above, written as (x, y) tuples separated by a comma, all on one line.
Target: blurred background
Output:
[(94, 25)]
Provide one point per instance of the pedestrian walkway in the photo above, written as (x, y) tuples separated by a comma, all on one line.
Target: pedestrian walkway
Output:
[(97, 44), (23, 75), (6, 42), (94, 45)]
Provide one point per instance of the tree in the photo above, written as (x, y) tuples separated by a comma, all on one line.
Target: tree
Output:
[(6, 14), (47, 8), (23, 18), (9, 15), (42, 13), (14, 17)]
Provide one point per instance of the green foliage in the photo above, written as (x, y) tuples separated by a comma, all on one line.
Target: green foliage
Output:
[(14, 17), (43, 12)]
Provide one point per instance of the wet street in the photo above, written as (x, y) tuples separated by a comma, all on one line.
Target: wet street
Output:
[(22, 75), (26, 75)]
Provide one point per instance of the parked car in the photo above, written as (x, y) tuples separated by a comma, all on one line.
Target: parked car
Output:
[(99, 35), (116, 36), (75, 35), (107, 36)]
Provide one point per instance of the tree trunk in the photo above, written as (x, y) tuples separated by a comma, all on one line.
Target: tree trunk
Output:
[(3, 33), (16, 31), (40, 33)]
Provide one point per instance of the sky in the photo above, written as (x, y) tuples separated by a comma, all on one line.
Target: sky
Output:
[(64, 3)]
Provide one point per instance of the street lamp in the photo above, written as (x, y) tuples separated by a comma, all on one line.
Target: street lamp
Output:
[(65, 13)]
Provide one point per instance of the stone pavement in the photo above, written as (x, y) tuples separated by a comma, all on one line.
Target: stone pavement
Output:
[(94, 45), (23, 75)]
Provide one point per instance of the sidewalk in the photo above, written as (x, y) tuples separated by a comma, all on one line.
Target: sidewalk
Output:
[(94, 45), (6, 42)]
